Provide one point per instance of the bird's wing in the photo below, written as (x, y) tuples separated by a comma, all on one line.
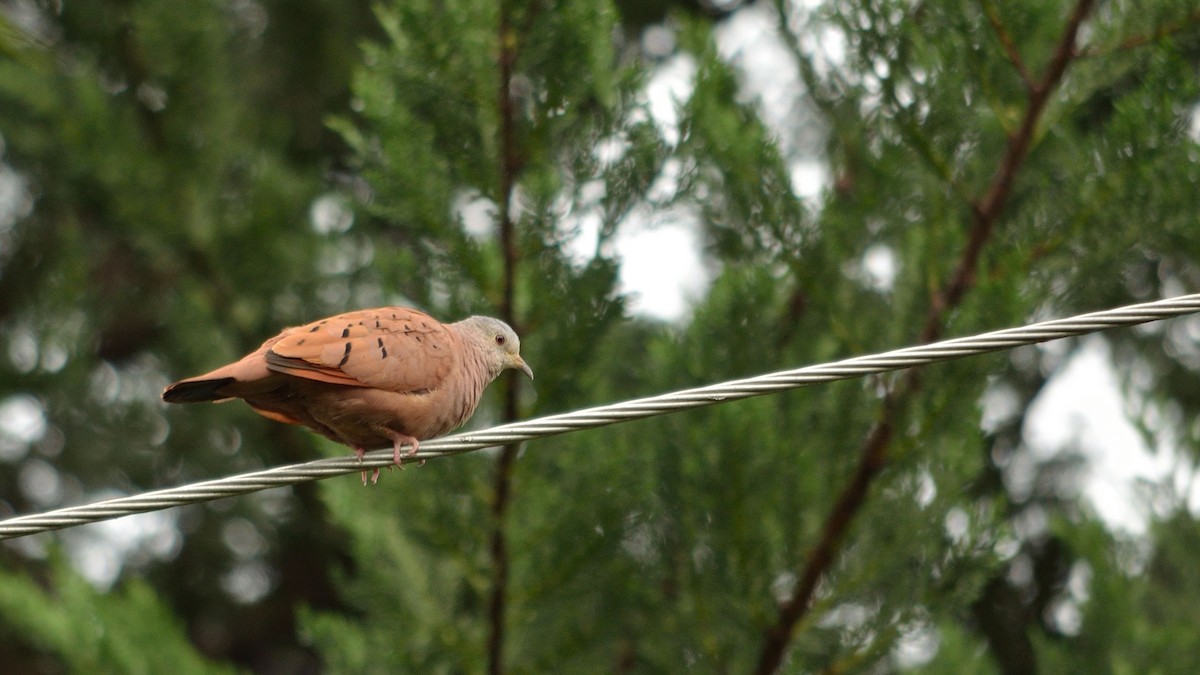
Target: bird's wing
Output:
[(390, 348)]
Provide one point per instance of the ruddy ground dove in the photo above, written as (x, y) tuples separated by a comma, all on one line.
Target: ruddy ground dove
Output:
[(370, 379)]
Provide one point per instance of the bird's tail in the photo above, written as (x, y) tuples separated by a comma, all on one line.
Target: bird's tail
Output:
[(197, 390)]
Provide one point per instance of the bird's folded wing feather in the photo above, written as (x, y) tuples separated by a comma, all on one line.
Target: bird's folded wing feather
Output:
[(391, 348)]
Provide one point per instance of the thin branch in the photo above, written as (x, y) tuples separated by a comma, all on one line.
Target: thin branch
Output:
[(1137, 41), (873, 454), (779, 636), (912, 131), (1006, 41), (510, 166), (501, 497), (987, 210), (133, 61)]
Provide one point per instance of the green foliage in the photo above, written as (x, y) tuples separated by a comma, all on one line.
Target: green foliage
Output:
[(82, 630), (736, 171), (193, 185), (169, 179)]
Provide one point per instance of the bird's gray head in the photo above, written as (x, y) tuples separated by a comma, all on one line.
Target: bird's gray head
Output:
[(500, 344)]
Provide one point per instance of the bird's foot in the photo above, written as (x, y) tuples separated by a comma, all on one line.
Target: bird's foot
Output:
[(399, 441), (398, 456)]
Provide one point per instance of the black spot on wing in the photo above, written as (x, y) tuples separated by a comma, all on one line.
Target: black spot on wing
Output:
[(345, 356)]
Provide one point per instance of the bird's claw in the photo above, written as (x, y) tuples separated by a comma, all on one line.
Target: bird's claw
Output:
[(359, 452), (398, 457)]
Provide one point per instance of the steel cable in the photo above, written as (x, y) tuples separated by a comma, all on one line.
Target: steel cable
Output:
[(607, 414)]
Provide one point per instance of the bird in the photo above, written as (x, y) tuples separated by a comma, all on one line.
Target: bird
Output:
[(372, 378)]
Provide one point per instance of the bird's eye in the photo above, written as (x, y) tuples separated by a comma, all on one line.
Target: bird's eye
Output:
[(500, 340)]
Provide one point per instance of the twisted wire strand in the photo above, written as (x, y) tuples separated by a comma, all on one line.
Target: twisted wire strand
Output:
[(607, 414)]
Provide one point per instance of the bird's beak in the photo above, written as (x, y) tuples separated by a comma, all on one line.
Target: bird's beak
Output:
[(519, 364)]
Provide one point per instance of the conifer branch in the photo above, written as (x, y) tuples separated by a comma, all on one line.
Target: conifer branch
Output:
[(874, 451)]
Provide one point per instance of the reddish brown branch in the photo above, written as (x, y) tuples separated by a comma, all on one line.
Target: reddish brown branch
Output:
[(499, 553), (986, 211), (821, 558), (873, 454), (510, 166)]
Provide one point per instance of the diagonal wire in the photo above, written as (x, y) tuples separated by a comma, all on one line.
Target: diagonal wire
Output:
[(607, 414)]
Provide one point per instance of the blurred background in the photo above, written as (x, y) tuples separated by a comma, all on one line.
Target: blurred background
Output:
[(657, 195)]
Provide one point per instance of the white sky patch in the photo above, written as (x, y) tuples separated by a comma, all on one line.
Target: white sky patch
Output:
[(22, 422), (101, 550), (40, 482), (749, 39), (610, 150), (478, 214), (879, 266), (826, 45), (669, 273), (582, 220), (809, 178), (658, 41), (661, 268), (248, 582), (661, 265), (16, 202), (330, 214), (585, 238), (918, 644), (1083, 405), (669, 87)]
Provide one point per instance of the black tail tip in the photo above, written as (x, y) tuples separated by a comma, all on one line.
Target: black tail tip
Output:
[(196, 391)]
